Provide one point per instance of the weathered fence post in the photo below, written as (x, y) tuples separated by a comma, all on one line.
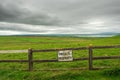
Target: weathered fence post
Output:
[(30, 57), (90, 57)]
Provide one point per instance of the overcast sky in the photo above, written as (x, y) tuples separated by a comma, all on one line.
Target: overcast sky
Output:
[(59, 16)]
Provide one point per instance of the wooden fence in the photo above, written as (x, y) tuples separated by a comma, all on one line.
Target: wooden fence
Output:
[(90, 58)]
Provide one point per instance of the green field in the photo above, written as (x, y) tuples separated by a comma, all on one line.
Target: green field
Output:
[(12, 71)]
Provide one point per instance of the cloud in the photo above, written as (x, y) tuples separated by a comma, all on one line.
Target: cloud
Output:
[(60, 16), (41, 29), (14, 12), (4, 26)]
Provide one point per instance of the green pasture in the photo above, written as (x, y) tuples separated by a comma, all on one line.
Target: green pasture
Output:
[(13, 71)]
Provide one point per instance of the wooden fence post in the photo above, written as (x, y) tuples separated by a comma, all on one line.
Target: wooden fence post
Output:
[(90, 57), (30, 57)]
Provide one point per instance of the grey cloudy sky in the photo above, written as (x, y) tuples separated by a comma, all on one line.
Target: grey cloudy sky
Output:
[(59, 16)]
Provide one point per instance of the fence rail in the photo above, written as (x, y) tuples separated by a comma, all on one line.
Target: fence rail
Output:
[(90, 58)]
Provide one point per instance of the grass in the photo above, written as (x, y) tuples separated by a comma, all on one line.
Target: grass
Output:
[(12, 71)]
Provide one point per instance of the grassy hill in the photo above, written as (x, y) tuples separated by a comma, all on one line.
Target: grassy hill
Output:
[(12, 71)]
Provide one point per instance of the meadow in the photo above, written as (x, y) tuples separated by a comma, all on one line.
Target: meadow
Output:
[(13, 71)]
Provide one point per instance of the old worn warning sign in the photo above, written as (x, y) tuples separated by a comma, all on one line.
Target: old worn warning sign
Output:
[(65, 55)]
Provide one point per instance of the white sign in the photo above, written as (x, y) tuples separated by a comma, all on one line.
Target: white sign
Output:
[(65, 55)]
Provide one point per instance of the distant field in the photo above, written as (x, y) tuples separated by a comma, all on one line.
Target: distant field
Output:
[(8, 70), (36, 42)]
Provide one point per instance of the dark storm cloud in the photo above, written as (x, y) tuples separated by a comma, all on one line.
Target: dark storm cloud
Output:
[(60, 16), (16, 13), (77, 11)]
